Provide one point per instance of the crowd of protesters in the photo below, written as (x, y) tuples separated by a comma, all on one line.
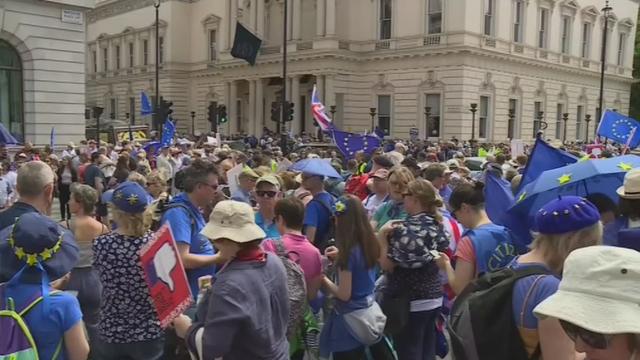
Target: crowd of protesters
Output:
[(398, 235)]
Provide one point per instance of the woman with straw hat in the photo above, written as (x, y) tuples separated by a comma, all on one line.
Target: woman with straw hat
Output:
[(625, 230)]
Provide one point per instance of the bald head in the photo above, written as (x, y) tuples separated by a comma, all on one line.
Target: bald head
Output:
[(33, 177)]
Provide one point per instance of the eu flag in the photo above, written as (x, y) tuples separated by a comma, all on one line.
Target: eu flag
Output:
[(145, 105), (349, 143), (245, 44), (168, 131), (544, 157), (498, 197), (619, 128)]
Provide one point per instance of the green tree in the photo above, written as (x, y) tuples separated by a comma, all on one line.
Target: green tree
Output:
[(634, 106)]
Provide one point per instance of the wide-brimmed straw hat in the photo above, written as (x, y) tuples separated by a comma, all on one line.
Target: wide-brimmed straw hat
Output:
[(599, 291), (233, 220), (631, 187)]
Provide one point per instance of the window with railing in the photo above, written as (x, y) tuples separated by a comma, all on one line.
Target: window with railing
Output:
[(434, 16), (385, 19)]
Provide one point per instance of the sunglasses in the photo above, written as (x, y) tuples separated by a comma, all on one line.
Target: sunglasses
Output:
[(269, 194), (592, 339)]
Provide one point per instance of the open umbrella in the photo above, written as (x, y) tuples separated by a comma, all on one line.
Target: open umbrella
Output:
[(581, 179), (320, 167), (6, 137)]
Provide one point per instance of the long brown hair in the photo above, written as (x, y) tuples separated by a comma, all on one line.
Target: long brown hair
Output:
[(353, 229)]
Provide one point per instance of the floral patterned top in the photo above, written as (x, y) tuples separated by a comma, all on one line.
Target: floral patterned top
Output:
[(410, 243), (127, 314)]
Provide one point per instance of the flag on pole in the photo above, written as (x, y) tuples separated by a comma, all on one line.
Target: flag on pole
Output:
[(245, 44), (619, 128), (544, 157), (145, 105), (498, 197), (349, 144), (168, 132), (317, 110), (52, 137)]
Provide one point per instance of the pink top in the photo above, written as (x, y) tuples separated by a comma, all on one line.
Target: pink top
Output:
[(302, 251)]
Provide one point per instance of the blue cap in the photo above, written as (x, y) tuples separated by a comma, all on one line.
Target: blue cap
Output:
[(129, 197), (566, 214)]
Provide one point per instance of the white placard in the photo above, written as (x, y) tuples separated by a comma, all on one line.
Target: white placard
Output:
[(517, 148), (232, 177), (72, 17)]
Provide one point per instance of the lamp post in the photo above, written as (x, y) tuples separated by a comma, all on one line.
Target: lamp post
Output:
[(473, 109), (372, 113), (156, 105), (603, 58), (193, 123), (97, 112), (511, 115), (565, 118), (283, 105), (427, 116), (587, 119)]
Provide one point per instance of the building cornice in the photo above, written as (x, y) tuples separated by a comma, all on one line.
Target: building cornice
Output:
[(110, 8)]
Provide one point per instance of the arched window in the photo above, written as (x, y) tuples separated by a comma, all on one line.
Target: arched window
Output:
[(11, 114)]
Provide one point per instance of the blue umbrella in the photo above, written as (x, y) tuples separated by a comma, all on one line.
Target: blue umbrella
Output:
[(581, 179), (320, 167), (6, 137)]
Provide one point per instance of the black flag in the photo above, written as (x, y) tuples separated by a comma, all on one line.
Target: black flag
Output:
[(245, 45)]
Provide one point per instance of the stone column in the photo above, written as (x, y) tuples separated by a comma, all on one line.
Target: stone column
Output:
[(259, 109), (297, 19), (251, 115), (320, 18), (233, 16), (233, 108), (330, 18), (254, 14), (260, 19), (297, 107)]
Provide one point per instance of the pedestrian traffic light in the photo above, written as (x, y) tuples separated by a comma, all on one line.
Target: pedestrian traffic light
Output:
[(222, 114), (289, 112), (275, 111), (211, 113), (165, 111)]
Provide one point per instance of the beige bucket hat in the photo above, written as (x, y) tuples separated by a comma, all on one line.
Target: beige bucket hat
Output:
[(233, 220)]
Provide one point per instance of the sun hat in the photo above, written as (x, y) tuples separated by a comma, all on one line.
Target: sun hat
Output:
[(129, 197), (35, 238), (566, 214), (270, 179), (598, 291), (631, 187), (233, 220), (453, 164)]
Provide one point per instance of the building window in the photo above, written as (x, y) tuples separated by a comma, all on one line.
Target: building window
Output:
[(433, 123), (145, 52), (117, 57), (579, 118), (537, 108), (113, 110), (543, 27), (384, 113), (212, 45), (513, 112), (489, 17), (566, 35), (105, 59), (160, 50), (434, 17), (483, 125), (131, 55), (11, 113), (385, 19), (518, 19), (94, 58), (586, 40), (559, 112), (622, 48), (132, 110)]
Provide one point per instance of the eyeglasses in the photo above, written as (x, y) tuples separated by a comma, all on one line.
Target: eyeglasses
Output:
[(213, 187), (269, 194), (592, 339)]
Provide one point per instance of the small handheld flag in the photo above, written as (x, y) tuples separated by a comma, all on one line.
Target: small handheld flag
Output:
[(317, 110), (349, 144), (619, 128), (145, 105)]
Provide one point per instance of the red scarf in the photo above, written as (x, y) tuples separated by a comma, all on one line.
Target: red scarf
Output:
[(251, 254)]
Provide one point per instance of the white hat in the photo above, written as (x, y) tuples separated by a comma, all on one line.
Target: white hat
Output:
[(233, 220), (631, 187), (599, 291)]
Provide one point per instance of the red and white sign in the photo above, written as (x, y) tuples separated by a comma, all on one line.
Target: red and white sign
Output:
[(165, 276), (594, 150)]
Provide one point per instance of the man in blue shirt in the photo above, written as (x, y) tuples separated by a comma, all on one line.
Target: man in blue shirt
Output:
[(186, 221), (319, 211), (267, 194), (246, 185)]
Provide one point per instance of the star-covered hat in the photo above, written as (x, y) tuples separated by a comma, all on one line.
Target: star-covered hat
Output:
[(566, 214), (129, 197)]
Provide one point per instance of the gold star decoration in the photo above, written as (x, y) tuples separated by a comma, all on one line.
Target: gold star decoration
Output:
[(132, 199), (118, 195), (45, 254), (585, 158), (19, 253), (625, 166), (522, 196), (32, 259), (564, 179)]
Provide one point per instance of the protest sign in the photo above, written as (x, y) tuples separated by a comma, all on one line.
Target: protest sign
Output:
[(165, 276), (232, 178)]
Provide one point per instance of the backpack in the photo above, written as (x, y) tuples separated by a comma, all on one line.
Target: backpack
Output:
[(329, 236), (357, 185), (163, 206), (296, 289), (18, 343), (482, 325)]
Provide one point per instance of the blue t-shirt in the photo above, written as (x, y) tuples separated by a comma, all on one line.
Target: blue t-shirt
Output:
[(318, 216), (270, 229), (445, 193), (186, 229), (545, 286), (47, 329), (363, 279)]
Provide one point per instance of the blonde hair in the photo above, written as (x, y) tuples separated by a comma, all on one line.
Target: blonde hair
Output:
[(137, 178), (427, 196), (402, 175), (557, 247), (133, 224), (156, 176)]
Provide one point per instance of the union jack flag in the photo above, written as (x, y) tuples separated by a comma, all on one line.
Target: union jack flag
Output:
[(317, 109)]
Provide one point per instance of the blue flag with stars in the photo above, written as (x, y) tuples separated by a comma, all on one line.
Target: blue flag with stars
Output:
[(349, 143), (619, 128), (168, 131)]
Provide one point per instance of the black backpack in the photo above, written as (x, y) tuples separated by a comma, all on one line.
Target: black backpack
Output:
[(165, 205), (482, 326), (329, 236)]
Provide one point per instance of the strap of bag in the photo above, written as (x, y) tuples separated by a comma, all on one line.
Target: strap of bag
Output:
[(536, 354)]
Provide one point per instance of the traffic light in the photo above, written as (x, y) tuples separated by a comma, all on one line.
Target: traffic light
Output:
[(289, 112), (275, 111), (211, 113), (165, 111), (222, 114)]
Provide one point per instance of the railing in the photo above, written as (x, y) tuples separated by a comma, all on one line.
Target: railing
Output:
[(383, 45), (431, 40), (268, 50), (490, 42)]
